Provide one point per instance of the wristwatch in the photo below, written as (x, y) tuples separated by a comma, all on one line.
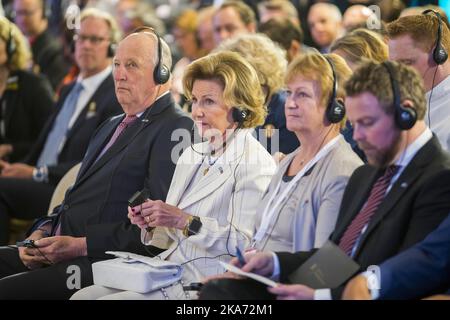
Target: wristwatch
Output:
[(40, 174), (193, 226)]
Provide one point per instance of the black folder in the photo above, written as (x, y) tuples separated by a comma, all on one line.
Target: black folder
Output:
[(329, 267)]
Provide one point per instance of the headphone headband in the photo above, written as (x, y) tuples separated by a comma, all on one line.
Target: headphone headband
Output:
[(405, 118), (161, 73), (440, 55), (335, 111)]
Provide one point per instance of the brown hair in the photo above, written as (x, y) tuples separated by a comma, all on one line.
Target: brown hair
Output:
[(374, 78), (422, 29)]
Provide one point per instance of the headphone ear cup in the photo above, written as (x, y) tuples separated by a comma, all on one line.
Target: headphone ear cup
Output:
[(335, 111), (439, 54), (111, 50), (405, 118), (161, 74), (239, 115)]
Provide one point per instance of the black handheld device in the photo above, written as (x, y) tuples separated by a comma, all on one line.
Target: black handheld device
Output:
[(194, 286), (138, 198), (28, 243)]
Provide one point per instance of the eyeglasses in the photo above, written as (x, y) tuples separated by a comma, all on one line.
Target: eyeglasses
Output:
[(92, 39), (23, 12)]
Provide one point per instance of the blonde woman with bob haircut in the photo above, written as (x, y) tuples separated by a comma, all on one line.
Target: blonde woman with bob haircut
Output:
[(211, 205)]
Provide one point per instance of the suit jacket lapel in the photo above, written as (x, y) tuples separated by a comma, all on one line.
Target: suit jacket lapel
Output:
[(361, 193), (91, 104), (216, 176), (124, 139), (218, 173), (412, 172), (185, 172)]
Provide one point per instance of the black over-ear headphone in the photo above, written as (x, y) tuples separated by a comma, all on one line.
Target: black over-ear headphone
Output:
[(439, 53), (335, 111), (239, 115), (161, 73), (405, 118)]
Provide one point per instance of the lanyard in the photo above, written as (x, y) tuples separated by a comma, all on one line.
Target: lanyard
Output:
[(270, 211)]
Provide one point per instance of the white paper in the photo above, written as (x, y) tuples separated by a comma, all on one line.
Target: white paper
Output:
[(254, 276)]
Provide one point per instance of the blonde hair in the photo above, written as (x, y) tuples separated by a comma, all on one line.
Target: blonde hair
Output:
[(422, 29), (362, 45), (115, 34), (374, 78), (239, 81), (264, 55), (21, 56), (314, 66)]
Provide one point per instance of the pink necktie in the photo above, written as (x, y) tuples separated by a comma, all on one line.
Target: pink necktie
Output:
[(120, 128), (376, 196)]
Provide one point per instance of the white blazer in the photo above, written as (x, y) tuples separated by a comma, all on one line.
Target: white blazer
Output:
[(225, 199)]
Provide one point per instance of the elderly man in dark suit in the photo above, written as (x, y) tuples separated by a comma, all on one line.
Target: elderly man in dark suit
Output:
[(26, 188), (390, 204), (128, 153)]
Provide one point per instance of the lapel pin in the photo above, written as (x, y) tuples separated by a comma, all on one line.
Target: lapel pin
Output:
[(404, 185), (144, 120)]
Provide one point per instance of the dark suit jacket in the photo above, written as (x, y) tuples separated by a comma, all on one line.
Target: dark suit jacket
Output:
[(102, 105), (49, 59), (420, 271), (417, 203), (28, 102), (96, 206), (276, 118)]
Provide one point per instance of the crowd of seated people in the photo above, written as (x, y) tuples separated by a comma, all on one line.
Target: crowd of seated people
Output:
[(275, 128)]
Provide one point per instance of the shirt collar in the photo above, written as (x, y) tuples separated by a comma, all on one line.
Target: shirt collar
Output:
[(91, 84), (411, 150)]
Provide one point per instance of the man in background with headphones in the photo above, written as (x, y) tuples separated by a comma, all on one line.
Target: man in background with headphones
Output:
[(423, 42), (390, 204), (26, 188), (129, 152), (31, 16)]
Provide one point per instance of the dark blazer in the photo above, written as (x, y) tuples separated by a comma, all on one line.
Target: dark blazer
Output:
[(420, 271), (102, 105), (49, 59), (96, 206), (417, 203), (276, 119), (27, 103)]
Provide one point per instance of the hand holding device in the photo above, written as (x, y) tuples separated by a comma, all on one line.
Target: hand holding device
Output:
[(28, 243), (137, 199)]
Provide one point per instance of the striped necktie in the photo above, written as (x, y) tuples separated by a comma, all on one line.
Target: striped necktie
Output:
[(376, 196)]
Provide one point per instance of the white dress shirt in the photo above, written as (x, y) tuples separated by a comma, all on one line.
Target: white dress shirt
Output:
[(90, 85)]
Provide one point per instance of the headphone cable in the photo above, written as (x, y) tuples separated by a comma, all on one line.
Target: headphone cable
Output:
[(431, 94)]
